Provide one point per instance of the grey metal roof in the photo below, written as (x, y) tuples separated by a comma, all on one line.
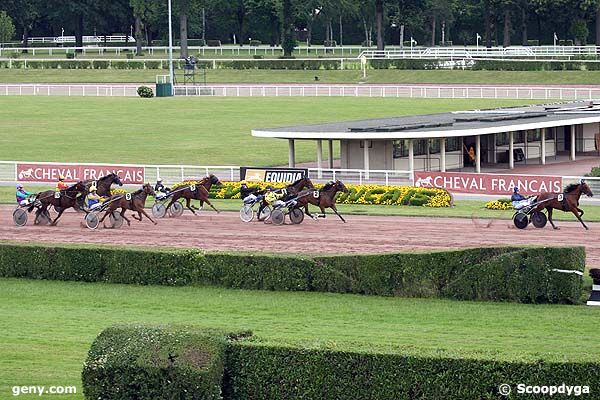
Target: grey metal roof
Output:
[(446, 124)]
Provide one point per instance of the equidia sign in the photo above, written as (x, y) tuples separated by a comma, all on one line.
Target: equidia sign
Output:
[(33, 172), (488, 183), (287, 175)]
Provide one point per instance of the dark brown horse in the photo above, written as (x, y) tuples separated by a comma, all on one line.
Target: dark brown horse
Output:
[(131, 201), (103, 186), (289, 191), (197, 191), (322, 198), (566, 201), (61, 200)]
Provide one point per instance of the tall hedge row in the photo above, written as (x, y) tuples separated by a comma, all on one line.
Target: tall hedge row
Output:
[(506, 274), (270, 372), (150, 362)]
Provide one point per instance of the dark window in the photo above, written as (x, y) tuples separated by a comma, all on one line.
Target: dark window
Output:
[(550, 133), (534, 135), (502, 139)]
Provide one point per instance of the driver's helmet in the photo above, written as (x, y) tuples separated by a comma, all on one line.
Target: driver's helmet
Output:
[(93, 188), (61, 177), (516, 189), (159, 180), (19, 186)]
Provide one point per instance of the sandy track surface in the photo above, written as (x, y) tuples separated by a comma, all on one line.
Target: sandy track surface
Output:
[(362, 234)]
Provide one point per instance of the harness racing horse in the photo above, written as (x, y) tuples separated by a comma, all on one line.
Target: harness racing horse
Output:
[(103, 186), (62, 200), (290, 190), (135, 202), (198, 191), (322, 198), (567, 201)]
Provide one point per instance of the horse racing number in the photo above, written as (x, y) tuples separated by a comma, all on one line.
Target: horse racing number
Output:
[(128, 196)]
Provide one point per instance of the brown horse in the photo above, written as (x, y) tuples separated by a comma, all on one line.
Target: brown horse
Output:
[(131, 201), (61, 200), (103, 186), (289, 191), (197, 191), (567, 201), (323, 198)]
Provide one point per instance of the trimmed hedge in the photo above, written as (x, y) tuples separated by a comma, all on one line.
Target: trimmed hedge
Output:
[(261, 371), (500, 65), (146, 362), (149, 362), (497, 274)]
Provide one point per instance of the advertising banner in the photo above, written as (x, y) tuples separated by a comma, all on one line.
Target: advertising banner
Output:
[(495, 184), (32, 172), (268, 174)]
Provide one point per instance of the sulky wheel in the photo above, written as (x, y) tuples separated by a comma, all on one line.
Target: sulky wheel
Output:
[(176, 209), (246, 213), (92, 221), (521, 220), (277, 217), (265, 213), (296, 216), (116, 220), (20, 217), (539, 219), (159, 210)]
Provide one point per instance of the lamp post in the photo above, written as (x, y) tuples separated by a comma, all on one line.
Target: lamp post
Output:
[(555, 40), (171, 74), (412, 42), (478, 39)]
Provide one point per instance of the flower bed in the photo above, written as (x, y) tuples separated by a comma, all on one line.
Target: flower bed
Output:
[(500, 204), (357, 194)]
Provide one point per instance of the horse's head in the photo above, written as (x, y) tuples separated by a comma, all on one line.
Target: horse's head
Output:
[(116, 179), (308, 183), (78, 187), (340, 186), (585, 189), (214, 180), (148, 189)]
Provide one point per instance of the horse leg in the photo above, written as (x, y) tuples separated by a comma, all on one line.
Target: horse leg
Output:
[(550, 218), (62, 210), (124, 217), (580, 211), (334, 208), (142, 211), (309, 214), (189, 206), (211, 206), (106, 214), (579, 218), (322, 212)]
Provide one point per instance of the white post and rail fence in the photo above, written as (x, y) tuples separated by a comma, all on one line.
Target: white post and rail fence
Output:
[(552, 93), (40, 173)]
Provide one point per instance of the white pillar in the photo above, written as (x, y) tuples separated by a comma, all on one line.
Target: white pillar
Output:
[(291, 153), (478, 154), (525, 145), (543, 150), (572, 142), (411, 155), (330, 145), (443, 154), (511, 150), (366, 158), (319, 158)]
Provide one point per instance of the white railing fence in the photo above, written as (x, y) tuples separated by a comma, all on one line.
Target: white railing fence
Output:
[(319, 90), (178, 173), (408, 91)]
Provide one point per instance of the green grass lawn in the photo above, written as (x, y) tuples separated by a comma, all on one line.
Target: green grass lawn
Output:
[(48, 327), (307, 77), (193, 131)]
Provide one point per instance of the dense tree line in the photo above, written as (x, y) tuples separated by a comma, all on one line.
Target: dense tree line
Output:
[(281, 22)]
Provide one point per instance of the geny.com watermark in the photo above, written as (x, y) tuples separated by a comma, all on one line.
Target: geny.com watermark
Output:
[(543, 390), (42, 390)]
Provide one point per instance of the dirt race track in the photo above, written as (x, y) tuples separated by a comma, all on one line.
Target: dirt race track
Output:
[(362, 234)]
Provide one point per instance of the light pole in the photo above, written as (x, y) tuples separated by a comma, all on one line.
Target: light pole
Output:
[(478, 39), (171, 75), (412, 42), (555, 40)]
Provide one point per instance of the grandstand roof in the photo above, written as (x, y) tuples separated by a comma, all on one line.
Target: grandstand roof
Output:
[(460, 123)]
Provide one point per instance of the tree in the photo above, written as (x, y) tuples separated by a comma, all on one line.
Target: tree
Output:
[(289, 41), (379, 11), (25, 13), (7, 28)]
